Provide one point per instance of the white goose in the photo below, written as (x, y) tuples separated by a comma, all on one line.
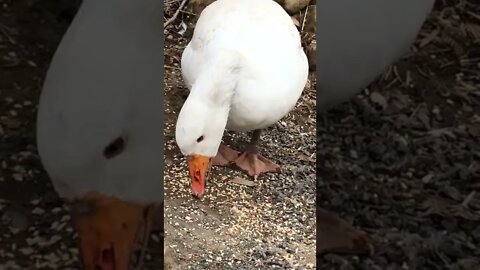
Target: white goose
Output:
[(100, 126), (358, 40), (246, 69)]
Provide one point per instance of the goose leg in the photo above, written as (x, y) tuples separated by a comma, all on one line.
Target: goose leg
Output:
[(254, 163), (224, 156)]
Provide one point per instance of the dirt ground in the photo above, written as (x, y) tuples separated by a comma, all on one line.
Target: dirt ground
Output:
[(267, 226), (270, 225), (34, 230), (401, 160)]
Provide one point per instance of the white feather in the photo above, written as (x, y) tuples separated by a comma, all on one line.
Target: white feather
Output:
[(271, 71)]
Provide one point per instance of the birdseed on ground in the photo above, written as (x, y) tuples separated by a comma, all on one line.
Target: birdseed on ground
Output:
[(240, 223)]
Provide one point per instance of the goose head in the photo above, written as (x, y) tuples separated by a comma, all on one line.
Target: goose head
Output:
[(204, 115), (199, 131)]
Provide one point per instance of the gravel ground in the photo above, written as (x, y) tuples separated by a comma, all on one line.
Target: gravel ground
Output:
[(35, 232), (270, 225), (401, 160)]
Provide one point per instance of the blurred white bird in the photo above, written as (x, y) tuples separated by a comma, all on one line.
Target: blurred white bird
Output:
[(358, 40), (100, 126)]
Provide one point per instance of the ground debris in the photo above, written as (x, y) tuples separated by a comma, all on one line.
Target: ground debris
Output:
[(401, 159)]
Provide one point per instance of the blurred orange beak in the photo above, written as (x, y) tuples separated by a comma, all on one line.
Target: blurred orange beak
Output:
[(109, 230), (198, 167)]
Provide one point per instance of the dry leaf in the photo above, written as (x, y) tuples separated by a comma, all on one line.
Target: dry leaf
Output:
[(303, 157), (447, 208), (242, 181)]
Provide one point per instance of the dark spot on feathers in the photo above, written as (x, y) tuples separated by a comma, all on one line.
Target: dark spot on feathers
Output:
[(115, 148), (199, 139)]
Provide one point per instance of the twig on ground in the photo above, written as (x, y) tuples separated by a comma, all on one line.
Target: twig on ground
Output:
[(468, 198), (175, 15), (171, 67), (6, 31), (304, 17)]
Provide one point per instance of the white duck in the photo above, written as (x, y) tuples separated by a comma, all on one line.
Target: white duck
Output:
[(358, 40), (100, 126), (246, 69)]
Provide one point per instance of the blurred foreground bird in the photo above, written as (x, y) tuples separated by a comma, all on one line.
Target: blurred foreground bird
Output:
[(357, 41), (100, 127)]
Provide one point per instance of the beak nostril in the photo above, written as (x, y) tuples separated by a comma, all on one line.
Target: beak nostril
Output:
[(107, 259), (197, 176)]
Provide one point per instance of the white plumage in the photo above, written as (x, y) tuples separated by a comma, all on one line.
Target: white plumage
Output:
[(105, 82), (245, 68), (100, 126), (358, 40)]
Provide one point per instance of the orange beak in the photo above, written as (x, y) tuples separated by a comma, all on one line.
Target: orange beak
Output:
[(109, 230), (198, 166)]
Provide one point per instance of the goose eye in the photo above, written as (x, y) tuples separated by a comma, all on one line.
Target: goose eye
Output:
[(199, 139), (115, 148)]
